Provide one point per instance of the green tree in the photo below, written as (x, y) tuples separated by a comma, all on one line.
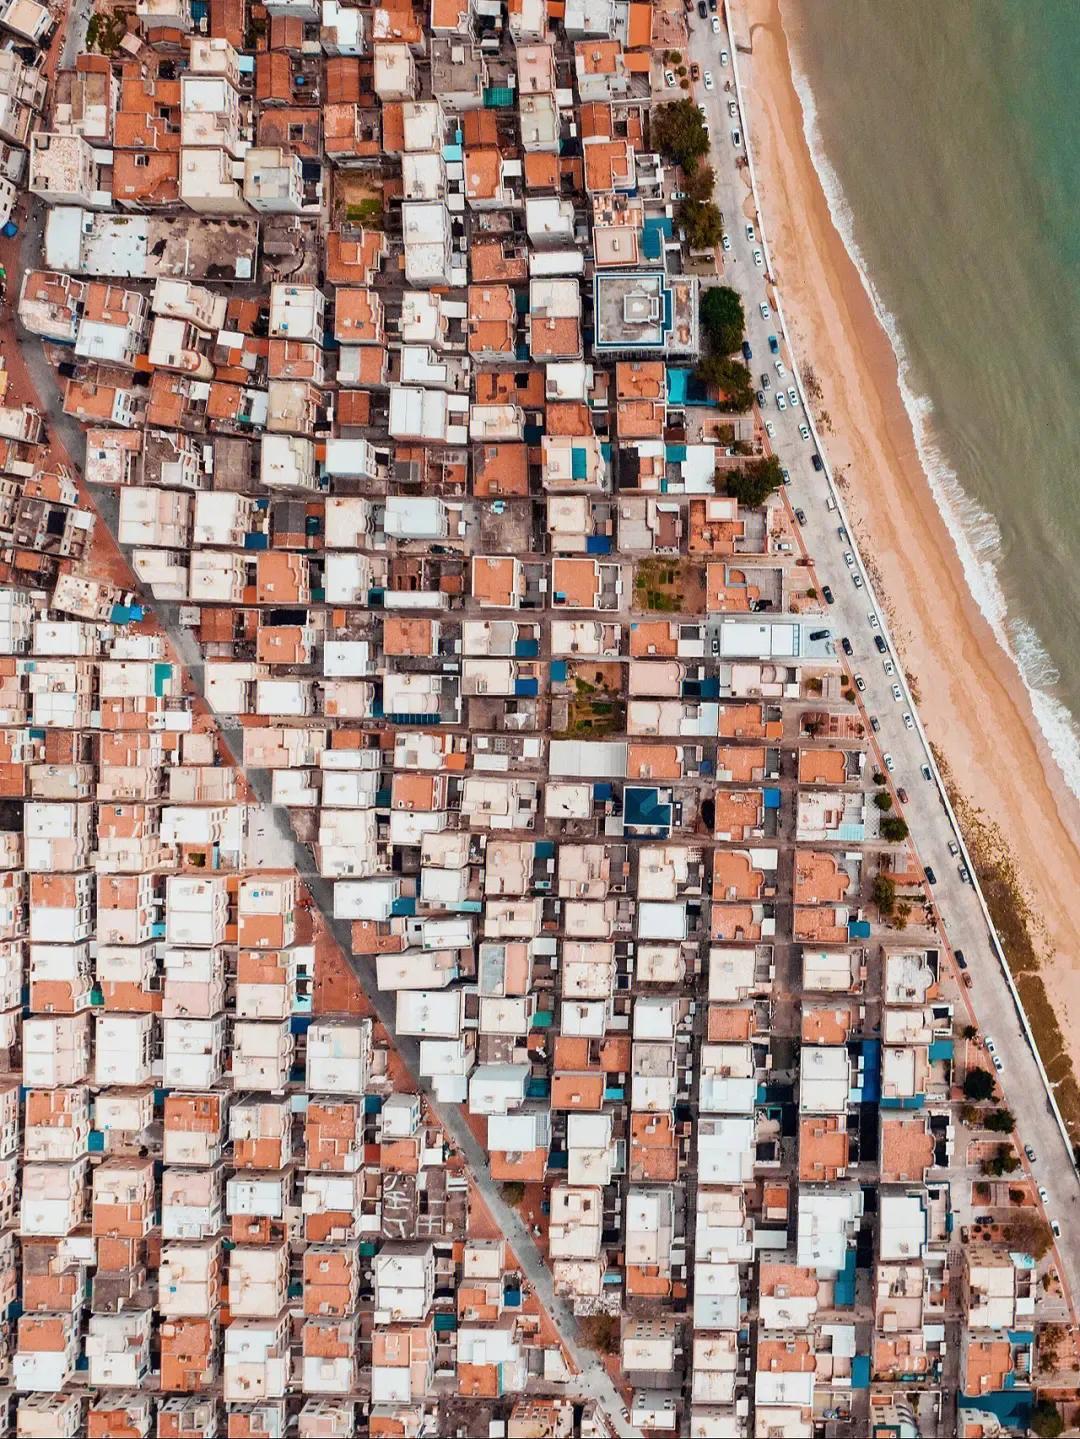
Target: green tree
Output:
[(893, 828), (601, 1332), (1046, 1420), (702, 224), (884, 895), (755, 482), (700, 184), (883, 800), (1000, 1122), (723, 319), (679, 133), (979, 1085), (730, 379)]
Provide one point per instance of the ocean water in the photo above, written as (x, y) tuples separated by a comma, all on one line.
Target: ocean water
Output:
[(948, 141)]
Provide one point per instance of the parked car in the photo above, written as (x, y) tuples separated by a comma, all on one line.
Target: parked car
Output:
[(781, 403), (901, 794), (896, 693), (875, 723), (964, 872), (723, 57), (857, 580), (860, 683), (733, 108), (708, 79), (763, 307), (760, 397), (849, 559), (888, 761), (703, 9), (758, 261), (961, 963), (1030, 1153), (793, 396), (780, 368), (747, 352), (770, 429), (750, 233), (954, 848), (804, 433), (695, 72), (931, 877), (725, 242), (716, 25), (909, 723), (669, 78), (736, 138), (888, 667), (996, 1062), (882, 647), (766, 383), (830, 598), (815, 458), (924, 770), (774, 345), (845, 643), (800, 515)]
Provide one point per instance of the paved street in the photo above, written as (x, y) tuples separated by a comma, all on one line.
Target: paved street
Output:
[(931, 827)]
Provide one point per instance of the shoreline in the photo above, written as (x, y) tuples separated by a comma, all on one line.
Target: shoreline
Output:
[(972, 696)]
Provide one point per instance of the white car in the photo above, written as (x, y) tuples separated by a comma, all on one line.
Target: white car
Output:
[(708, 80), (725, 242), (716, 24), (1043, 1194), (849, 559), (857, 580), (704, 115), (723, 55), (780, 368), (781, 403), (750, 233), (888, 761), (804, 432), (793, 397), (909, 723), (669, 77), (733, 108), (758, 261), (890, 668), (872, 620), (763, 308), (770, 428), (999, 1067), (896, 693)]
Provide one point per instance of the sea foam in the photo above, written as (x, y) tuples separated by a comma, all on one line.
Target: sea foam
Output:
[(974, 531)]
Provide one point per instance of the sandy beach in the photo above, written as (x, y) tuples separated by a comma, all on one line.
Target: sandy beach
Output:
[(972, 700)]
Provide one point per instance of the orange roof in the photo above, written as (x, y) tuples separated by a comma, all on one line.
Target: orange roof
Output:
[(501, 469), (907, 1150), (483, 173), (541, 171), (823, 1149), (583, 1091), (822, 766), (819, 877)]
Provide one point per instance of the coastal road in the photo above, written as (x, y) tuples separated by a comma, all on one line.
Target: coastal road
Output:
[(592, 1380), (857, 615)]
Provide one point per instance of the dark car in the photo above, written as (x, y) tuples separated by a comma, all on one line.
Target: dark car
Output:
[(760, 397), (815, 460), (819, 634), (881, 646), (712, 6), (829, 596), (901, 794), (702, 9), (747, 352), (961, 962), (924, 770), (774, 345), (800, 515), (874, 725), (695, 72), (931, 877), (964, 873), (845, 645)]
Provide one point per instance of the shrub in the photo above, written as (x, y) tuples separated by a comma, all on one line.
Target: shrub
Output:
[(884, 801)]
